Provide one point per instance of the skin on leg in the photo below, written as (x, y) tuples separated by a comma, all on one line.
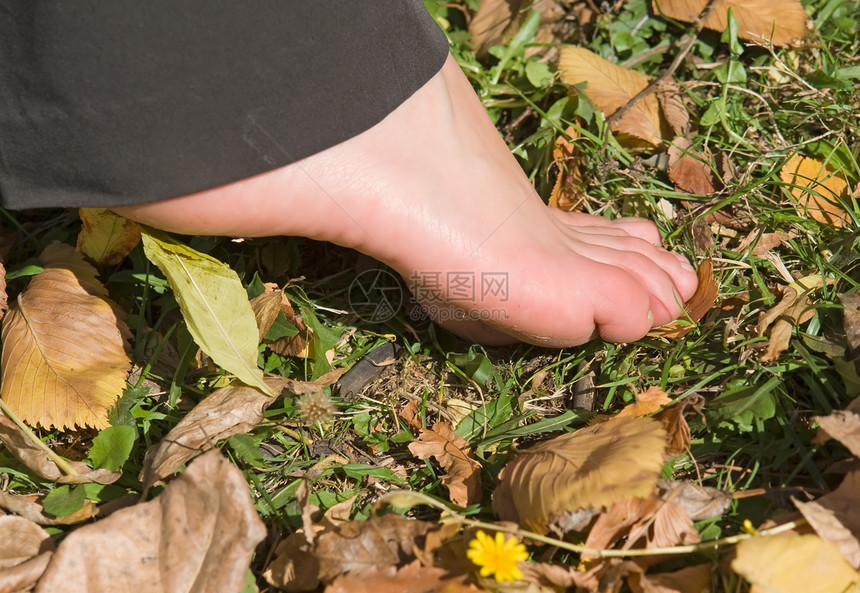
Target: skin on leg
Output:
[(433, 191)]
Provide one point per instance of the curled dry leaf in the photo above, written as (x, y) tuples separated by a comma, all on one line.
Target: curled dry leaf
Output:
[(198, 535), (610, 87), (412, 578), (844, 426), (671, 99), (758, 20), (674, 421), (23, 577), (593, 467), (796, 564), (105, 238), (689, 170), (647, 402), (828, 527), (568, 193), (230, 410), (462, 471), (841, 504), (821, 192), (64, 357), (267, 306), (700, 303), (793, 308), (497, 21), (851, 323), (699, 502)]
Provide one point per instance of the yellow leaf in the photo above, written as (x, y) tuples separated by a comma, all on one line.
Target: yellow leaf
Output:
[(64, 346), (798, 564), (462, 471), (758, 20), (793, 308), (593, 467), (647, 402), (106, 238), (610, 87), (821, 193), (700, 303)]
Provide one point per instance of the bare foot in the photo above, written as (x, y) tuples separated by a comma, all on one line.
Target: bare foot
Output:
[(434, 192)]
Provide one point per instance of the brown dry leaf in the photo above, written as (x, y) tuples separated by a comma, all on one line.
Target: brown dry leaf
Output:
[(792, 309), (497, 21), (842, 505), (22, 540), (197, 536), (106, 238), (675, 422), (671, 100), (294, 566), (65, 358), (821, 192), (462, 471), (830, 529), (595, 466), (376, 543), (22, 577), (842, 425), (797, 564), (765, 241), (568, 193), (610, 87), (642, 523), (647, 402), (688, 169), (412, 578), (851, 323), (230, 410), (699, 502), (266, 308), (758, 20), (700, 303), (692, 579)]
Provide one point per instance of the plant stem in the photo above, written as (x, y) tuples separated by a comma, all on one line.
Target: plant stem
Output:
[(63, 464)]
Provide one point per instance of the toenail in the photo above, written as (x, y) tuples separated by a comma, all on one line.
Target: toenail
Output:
[(650, 316), (686, 264)]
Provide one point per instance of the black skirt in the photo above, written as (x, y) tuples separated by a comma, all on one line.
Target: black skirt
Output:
[(119, 102)]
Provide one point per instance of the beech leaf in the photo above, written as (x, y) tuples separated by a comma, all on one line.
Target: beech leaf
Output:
[(758, 20), (213, 303), (197, 536), (106, 238), (64, 346), (595, 466), (821, 192), (22, 540), (688, 169), (793, 308), (462, 471), (700, 303), (797, 564), (610, 87), (412, 578)]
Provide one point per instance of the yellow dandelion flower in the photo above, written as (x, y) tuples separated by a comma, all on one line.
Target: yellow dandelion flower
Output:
[(497, 556)]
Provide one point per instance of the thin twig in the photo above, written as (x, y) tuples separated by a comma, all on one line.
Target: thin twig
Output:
[(61, 463)]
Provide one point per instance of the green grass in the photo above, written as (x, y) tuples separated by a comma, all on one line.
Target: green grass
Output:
[(758, 418)]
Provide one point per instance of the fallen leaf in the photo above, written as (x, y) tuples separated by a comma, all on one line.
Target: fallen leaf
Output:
[(842, 425), (595, 466), (830, 529), (764, 242), (267, 307), (689, 170), (197, 536), (234, 409), (851, 324), (22, 540), (294, 566), (647, 402), (213, 303), (793, 308), (462, 471), (376, 543), (758, 20), (700, 303), (65, 358), (412, 578), (699, 502), (671, 100), (22, 577), (4, 305), (497, 21), (610, 87), (568, 193), (692, 579), (796, 564), (841, 505), (106, 238), (821, 192), (674, 422)]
